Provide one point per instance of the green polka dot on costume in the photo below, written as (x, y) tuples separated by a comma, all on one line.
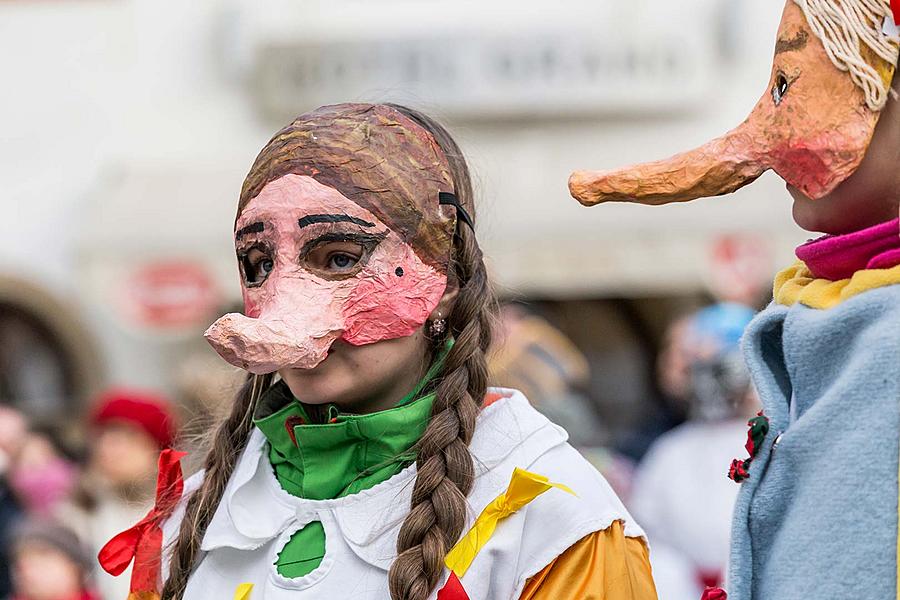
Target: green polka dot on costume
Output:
[(303, 552)]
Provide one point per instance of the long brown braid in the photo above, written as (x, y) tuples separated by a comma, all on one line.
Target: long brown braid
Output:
[(445, 469), (445, 466), (226, 445)]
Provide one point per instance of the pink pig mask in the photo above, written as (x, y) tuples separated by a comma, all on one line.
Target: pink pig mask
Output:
[(317, 266)]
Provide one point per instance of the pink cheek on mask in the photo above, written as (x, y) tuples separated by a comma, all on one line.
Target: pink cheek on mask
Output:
[(804, 169), (391, 305), (816, 167)]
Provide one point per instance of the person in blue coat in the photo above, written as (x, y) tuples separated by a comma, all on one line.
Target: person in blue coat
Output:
[(816, 515)]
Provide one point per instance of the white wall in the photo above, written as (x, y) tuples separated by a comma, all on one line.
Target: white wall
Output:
[(127, 126)]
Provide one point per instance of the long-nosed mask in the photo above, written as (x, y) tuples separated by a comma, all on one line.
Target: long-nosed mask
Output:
[(340, 234), (834, 61)]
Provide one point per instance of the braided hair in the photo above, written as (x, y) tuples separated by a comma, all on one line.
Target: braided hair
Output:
[(226, 445), (445, 469)]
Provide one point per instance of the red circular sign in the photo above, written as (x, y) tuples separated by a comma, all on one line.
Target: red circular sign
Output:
[(740, 267), (170, 294)]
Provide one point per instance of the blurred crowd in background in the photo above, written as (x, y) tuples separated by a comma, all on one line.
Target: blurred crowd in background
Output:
[(61, 502), (128, 126)]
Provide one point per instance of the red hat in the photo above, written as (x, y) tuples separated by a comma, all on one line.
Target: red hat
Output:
[(148, 410)]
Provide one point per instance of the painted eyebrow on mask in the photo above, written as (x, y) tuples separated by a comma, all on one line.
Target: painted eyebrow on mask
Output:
[(366, 240), (786, 44), (251, 228), (313, 219)]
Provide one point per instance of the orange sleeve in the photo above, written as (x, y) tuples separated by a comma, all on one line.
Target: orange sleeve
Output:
[(605, 565)]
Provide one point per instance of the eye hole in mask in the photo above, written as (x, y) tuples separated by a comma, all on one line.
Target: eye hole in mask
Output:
[(780, 89), (339, 255), (256, 264)]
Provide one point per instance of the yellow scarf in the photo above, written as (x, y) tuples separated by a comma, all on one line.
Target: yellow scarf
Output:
[(797, 284)]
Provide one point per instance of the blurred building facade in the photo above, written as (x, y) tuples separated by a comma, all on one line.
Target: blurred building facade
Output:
[(129, 124)]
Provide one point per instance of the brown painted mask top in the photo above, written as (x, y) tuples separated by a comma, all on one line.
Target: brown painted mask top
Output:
[(375, 156), (812, 126)]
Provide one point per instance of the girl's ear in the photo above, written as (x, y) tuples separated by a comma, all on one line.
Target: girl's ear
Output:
[(442, 310)]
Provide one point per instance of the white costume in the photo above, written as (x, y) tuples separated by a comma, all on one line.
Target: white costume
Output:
[(256, 517)]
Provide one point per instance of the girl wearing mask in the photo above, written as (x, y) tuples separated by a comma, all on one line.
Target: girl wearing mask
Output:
[(365, 456)]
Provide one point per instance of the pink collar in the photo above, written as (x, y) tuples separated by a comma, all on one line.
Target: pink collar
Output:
[(836, 257)]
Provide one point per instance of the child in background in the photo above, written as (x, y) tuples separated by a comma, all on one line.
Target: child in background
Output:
[(13, 430), (534, 357), (49, 562), (127, 430), (43, 474), (681, 494)]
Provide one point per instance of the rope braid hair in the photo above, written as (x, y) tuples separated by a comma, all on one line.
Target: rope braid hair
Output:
[(445, 469), (226, 445)]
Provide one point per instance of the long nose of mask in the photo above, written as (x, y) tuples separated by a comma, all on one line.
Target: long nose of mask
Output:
[(812, 126)]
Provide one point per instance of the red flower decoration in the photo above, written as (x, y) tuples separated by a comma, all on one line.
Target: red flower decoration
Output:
[(739, 470), (751, 446), (143, 542), (759, 428), (714, 593)]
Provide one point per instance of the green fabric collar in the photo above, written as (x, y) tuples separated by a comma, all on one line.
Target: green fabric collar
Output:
[(347, 453), (350, 454)]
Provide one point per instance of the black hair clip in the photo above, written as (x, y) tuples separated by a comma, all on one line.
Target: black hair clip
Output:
[(461, 214)]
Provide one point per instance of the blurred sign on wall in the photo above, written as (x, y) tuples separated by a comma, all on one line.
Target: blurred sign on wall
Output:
[(169, 294), (546, 74), (482, 60)]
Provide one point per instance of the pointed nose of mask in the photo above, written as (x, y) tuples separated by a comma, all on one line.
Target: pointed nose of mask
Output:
[(720, 166), (266, 344), (812, 126)]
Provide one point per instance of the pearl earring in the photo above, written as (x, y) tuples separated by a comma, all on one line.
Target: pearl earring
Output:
[(437, 327)]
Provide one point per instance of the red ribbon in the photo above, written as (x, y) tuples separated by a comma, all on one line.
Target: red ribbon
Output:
[(143, 542), (895, 6), (453, 590)]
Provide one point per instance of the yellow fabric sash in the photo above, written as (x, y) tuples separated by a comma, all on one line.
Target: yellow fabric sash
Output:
[(797, 284), (524, 487), (243, 591)]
